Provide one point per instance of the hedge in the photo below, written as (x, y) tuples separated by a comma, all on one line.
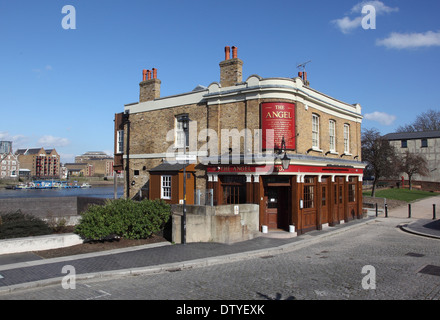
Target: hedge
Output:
[(123, 218), (20, 225)]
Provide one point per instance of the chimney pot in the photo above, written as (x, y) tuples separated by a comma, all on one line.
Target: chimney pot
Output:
[(149, 74), (234, 52), (144, 75), (300, 74), (154, 73), (227, 53)]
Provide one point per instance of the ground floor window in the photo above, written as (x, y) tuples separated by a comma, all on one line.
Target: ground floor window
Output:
[(352, 189), (165, 183), (309, 192), (234, 189)]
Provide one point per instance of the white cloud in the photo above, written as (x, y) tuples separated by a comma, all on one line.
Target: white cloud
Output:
[(381, 117), (53, 142), (347, 24), (410, 40), (18, 141), (380, 7)]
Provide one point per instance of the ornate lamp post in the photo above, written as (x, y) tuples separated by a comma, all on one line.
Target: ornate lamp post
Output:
[(285, 161), (185, 123)]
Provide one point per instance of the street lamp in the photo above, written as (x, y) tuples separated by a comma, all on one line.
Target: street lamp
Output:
[(285, 160), (185, 122)]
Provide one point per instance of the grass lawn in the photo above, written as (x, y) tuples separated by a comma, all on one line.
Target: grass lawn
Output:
[(401, 194)]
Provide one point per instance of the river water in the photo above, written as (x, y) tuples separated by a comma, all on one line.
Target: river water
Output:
[(95, 192)]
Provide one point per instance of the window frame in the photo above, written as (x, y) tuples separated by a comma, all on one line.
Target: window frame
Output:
[(315, 131), (346, 138), (332, 135), (165, 187), (120, 141), (404, 143), (180, 133)]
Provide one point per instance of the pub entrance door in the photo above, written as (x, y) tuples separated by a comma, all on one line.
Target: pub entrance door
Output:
[(277, 207)]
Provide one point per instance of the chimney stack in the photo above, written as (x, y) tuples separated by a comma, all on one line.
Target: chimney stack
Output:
[(231, 70), (303, 76), (149, 88), (234, 52), (227, 53)]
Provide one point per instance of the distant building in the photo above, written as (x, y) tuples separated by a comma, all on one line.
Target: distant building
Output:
[(80, 169), (425, 143), (9, 165), (43, 164), (5, 147), (101, 163)]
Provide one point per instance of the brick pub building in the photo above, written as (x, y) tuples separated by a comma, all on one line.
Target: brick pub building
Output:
[(275, 119)]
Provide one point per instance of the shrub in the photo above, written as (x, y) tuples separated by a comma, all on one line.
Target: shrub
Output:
[(123, 218), (19, 225)]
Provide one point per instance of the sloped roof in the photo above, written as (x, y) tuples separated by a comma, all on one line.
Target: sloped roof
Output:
[(412, 135), (166, 166)]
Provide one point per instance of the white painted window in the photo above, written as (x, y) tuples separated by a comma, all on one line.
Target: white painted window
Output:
[(181, 135), (315, 131), (332, 134), (165, 182), (120, 141), (346, 138)]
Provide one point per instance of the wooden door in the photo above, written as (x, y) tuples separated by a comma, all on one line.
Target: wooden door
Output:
[(309, 212), (324, 201), (271, 200), (340, 198)]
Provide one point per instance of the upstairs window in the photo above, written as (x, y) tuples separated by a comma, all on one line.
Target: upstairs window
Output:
[(404, 144), (315, 131), (181, 133), (120, 141), (424, 143), (332, 134), (346, 138)]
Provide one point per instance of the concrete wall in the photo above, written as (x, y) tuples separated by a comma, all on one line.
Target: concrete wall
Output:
[(39, 243), (216, 224), (69, 208)]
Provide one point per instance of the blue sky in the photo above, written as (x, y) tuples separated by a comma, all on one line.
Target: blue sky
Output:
[(60, 88)]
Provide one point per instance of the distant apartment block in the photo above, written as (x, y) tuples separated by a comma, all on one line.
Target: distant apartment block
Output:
[(9, 166), (99, 163), (43, 164), (5, 147)]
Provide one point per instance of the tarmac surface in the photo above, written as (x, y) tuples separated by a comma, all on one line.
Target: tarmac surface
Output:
[(27, 270)]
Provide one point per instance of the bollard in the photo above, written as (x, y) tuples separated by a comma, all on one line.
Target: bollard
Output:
[(433, 212), (376, 210), (409, 210), (386, 210)]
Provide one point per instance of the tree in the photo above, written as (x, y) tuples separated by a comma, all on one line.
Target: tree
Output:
[(411, 164), (380, 156), (426, 121)]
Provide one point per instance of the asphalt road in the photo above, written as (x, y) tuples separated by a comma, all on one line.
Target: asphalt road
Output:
[(375, 261)]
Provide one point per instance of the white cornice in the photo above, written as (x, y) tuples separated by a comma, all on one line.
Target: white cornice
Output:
[(255, 88)]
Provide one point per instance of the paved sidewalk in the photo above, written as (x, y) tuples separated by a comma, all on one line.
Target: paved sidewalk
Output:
[(27, 270)]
